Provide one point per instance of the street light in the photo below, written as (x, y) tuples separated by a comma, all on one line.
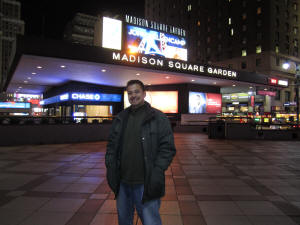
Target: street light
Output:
[(297, 84)]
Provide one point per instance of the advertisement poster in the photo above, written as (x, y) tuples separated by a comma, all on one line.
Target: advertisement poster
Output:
[(213, 103), (166, 101), (150, 42), (200, 102)]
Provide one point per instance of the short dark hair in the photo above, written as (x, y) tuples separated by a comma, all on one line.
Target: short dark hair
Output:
[(131, 82)]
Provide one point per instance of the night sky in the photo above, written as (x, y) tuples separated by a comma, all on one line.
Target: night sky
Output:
[(48, 18)]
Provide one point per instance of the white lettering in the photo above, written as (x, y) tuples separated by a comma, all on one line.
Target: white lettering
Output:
[(116, 56)]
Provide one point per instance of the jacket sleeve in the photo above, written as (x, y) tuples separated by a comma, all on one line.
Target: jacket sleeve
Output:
[(166, 146), (112, 145)]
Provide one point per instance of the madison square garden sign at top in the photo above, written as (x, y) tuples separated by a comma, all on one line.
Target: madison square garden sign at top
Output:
[(137, 41)]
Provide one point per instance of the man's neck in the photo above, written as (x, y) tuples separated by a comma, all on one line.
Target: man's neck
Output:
[(138, 106)]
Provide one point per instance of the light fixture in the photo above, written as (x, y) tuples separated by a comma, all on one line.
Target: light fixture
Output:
[(192, 80), (39, 67), (265, 89), (29, 78), (33, 73), (250, 87), (215, 83), (20, 87), (286, 65), (62, 66), (103, 70), (26, 81), (233, 85), (138, 74), (167, 77), (149, 84)]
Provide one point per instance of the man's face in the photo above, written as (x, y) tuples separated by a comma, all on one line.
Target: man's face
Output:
[(136, 95)]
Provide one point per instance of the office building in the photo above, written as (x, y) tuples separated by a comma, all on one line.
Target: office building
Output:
[(254, 36), (81, 29), (11, 26)]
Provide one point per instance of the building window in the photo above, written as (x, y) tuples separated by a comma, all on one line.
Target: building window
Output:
[(208, 50), (277, 23), (189, 7), (278, 93), (244, 52), (296, 52), (208, 40), (258, 49), (287, 38), (277, 36), (287, 48), (243, 65), (244, 16), (244, 41), (258, 11), (295, 18), (231, 32), (258, 36), (295, 42), (198, 23), (277, 9), (287, 96), (276, 48), (244, 27), (295, 6), (244, 3), (258, 23), (229, 20), (277, 61), (258, 62), (287, 27), (295, 30)]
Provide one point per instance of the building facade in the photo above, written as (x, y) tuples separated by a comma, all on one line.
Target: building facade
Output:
[(81, 29), (11, 25), (253, 36)]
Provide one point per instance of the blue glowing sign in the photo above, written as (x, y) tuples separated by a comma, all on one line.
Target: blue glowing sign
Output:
[(14, 105), (151, 42), (79, 96)]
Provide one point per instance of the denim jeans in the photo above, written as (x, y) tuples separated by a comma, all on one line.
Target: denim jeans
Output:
[(130, 198)]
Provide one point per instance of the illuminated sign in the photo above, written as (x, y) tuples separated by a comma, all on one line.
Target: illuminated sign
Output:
[(174, 65), (166, 101), (14, 105), (200, 102), (154, 25), (269, 93), (273, 81), (283, 83), (79, 96), (150, 42), (112, 33)]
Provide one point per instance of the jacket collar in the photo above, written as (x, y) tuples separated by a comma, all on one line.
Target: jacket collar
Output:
[(149, 112)]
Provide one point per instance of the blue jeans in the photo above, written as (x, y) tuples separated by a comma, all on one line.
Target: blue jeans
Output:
[(129, 198)]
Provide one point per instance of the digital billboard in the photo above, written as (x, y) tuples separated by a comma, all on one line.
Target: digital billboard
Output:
[(200, 102), (151, 42), (166, 101), (112, 33), (14, 105)]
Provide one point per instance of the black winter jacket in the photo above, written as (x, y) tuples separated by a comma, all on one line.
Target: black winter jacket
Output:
[(158, 149)]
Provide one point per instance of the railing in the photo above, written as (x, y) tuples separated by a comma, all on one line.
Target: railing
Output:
[(33, 120)]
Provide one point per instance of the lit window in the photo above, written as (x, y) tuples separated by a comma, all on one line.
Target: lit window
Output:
[(258, 10), (295, 30), (258, 49), (229, 21), (295, 6), (198, 23), (231, 31), (295, 42), (244, 52), (244, 41), (244, 16), (277, 49), (189, 8)]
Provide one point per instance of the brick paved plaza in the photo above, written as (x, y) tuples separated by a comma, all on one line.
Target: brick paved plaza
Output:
[(210, 182)]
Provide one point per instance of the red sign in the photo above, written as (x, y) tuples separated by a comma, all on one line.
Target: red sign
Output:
[(273, 81), (252, 101), (213, 103), (270, 93)]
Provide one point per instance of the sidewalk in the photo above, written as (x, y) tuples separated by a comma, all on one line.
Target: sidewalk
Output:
[(210, 182)]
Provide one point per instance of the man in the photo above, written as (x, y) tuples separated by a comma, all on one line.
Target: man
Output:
[(139, 150)]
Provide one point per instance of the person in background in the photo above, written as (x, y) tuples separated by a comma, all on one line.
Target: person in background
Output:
[(139, 150)]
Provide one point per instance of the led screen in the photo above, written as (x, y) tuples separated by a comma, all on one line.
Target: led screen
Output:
[(112, 33), (150, 42), (200, 102), (14, 105), (166, 101)]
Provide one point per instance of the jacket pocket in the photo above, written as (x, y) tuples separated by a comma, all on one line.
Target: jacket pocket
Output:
[(156, 186)]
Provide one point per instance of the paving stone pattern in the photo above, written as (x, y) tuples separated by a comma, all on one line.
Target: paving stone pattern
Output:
[(210, 182)]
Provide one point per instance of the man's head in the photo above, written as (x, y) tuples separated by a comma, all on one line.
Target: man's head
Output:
[(136, 92)]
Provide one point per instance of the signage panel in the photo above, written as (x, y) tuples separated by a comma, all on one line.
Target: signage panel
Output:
[(14, 105), (151, 42), (200, 102), (166, 101), (112, 33)]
